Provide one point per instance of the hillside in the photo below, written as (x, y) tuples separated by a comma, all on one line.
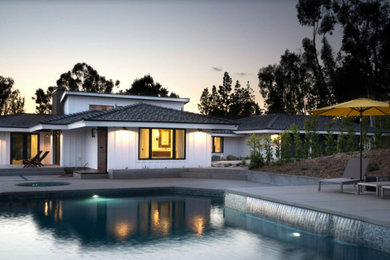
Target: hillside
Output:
[(333, 166)]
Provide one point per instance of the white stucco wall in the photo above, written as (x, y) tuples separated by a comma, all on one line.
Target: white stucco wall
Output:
[(5, 146), (238, 147), (74, 104), (123, 151)]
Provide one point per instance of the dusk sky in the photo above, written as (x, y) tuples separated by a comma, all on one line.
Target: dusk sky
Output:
[(184, 45)]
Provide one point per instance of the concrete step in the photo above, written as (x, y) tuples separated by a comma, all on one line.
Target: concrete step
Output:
[(32, 171)]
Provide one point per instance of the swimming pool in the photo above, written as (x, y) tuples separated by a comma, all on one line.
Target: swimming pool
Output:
[(158, 227)]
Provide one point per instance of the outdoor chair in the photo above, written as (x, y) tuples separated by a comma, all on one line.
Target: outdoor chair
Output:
[(38, 161), (378, 185), (351, 174), (383, 190), (30, 162)]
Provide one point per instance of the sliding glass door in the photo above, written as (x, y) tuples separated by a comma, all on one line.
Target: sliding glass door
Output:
[(23, 146)]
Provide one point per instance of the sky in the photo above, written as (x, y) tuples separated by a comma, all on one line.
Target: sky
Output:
[(184, 45)]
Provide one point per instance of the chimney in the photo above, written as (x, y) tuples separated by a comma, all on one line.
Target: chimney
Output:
[(57, 106)]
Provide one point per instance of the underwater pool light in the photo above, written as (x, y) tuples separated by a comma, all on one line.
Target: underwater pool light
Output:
[(95, 196), (296, 234)]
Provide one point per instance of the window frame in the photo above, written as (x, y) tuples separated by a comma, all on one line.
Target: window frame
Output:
[(173, 138), (222, 144), (24, 143)]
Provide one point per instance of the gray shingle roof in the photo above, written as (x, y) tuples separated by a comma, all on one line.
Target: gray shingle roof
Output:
[(140, 112), (23, 120), (284, 121)]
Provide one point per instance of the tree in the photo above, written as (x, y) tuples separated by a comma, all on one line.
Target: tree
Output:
[(82, 77), (312, 145), (286, 146), (228, 102), (298, 145), (268, 150), (361, 67), (256, 158), (42, 100), (365, 62), (286, 87), (330, 141), (11, 101), (146, 86)]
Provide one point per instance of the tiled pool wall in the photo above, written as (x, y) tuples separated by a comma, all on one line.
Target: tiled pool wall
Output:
[(341, 228)]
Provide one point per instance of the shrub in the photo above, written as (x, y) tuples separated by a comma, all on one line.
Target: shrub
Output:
[(298, 145), (330, 141), (256, 159), (243, 162), (268, 150), (286, 146), (372, 167), (231, 157)]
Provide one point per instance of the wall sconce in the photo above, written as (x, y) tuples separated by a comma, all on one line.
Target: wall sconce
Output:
[(199, 130), (93, 132), (125, 128), (47, 135)]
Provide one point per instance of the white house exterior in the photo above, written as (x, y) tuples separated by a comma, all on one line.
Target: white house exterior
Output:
[(110, 131)]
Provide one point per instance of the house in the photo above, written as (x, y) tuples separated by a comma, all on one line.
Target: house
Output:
[(111, 131), (234, 142)]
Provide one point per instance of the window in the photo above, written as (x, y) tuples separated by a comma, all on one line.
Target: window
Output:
[(100, 107), (23, 146), (161, 143), (217, 144)]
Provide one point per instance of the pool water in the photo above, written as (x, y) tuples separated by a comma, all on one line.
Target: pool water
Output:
[(164, 227)]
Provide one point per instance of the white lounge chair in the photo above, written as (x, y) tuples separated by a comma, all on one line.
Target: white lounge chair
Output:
[(351, 174), (383, 191), (378, 185)]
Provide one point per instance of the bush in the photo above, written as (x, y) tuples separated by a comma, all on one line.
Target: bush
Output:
[(268, 150), (243, 162), (256, 162), (231, 157), (373, 167)]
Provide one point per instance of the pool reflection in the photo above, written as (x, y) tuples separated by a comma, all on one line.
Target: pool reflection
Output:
[(116, 220)]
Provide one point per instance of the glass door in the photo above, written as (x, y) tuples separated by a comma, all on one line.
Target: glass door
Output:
[(23, 146)]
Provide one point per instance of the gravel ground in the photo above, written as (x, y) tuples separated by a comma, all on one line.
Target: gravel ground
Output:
[(333, 166)]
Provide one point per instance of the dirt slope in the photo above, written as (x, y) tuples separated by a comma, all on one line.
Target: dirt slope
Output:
[(333, 166)]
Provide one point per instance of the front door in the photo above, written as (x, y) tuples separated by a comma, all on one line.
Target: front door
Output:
[(102, 149)]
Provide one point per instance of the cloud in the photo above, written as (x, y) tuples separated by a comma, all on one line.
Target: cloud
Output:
[(241, 74), (216, 69)]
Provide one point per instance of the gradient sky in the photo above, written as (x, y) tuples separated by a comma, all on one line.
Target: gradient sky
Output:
[(184, 45)]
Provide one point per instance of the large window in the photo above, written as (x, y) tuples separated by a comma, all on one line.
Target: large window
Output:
[(162, 143), (217, 144), (23, 146)]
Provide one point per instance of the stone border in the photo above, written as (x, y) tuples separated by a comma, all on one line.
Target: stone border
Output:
[(346, 229), (215, 173)]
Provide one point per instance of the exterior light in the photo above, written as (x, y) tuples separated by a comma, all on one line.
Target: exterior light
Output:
[(274, 137)]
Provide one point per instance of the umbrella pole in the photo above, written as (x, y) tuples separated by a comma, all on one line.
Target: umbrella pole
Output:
[(361, 144)]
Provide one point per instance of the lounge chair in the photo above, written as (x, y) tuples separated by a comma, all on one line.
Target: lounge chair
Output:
[(378, 185), (37, 162), (30, 162), (351, 174)]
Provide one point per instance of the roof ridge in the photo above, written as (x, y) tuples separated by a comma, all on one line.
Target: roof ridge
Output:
[(170, 109), (272, 121)]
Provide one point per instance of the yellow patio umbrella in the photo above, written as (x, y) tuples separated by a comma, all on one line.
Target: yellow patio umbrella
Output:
[(356, 107)]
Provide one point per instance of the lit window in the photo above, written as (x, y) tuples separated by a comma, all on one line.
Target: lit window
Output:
[(217, 144), (161, 144), (100, 107)]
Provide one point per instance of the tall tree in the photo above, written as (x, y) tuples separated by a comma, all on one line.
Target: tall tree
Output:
[(365, 61), (146, 86), (82, 77), (11, 101), (228, 102), (285, 87)]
